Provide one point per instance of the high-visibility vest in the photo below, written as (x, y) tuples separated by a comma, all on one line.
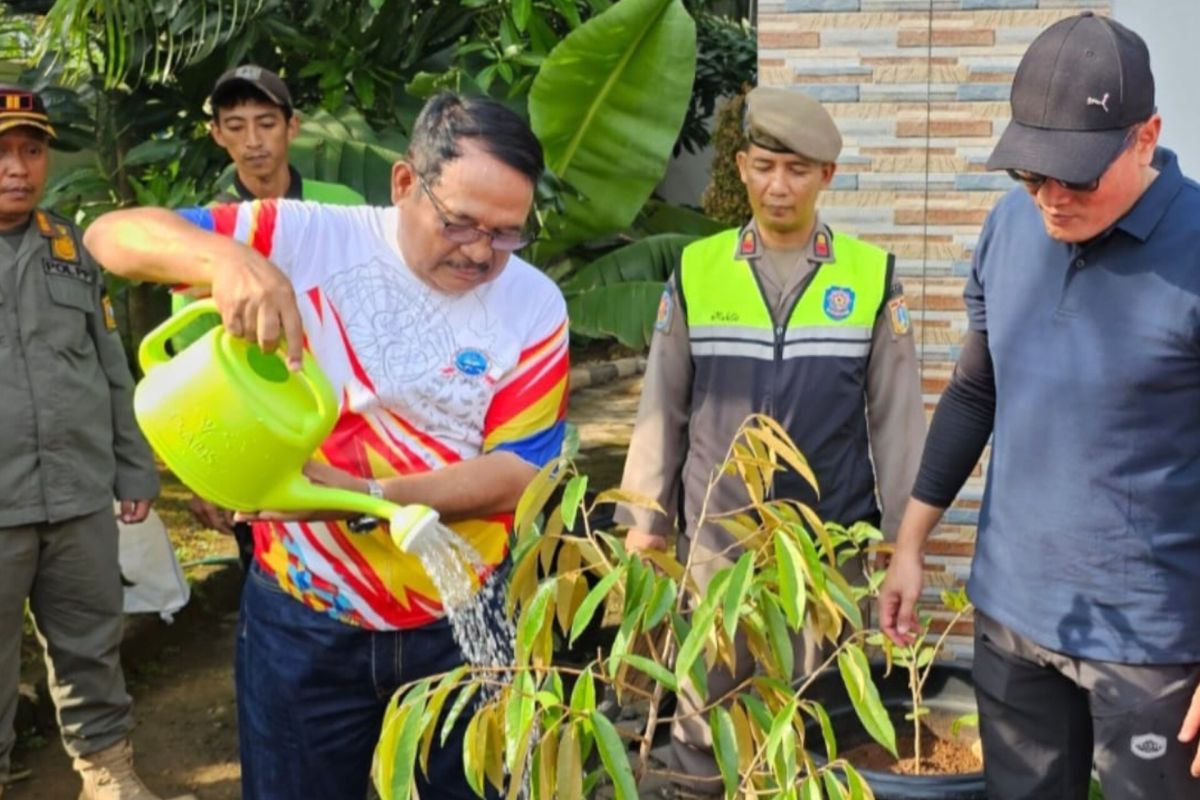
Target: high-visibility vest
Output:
[(808, 370)]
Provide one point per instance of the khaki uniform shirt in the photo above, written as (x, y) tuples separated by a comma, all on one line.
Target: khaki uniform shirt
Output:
[(895, 412), (70, 442)]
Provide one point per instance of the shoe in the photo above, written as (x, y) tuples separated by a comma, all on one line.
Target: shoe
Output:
[(109, 775)]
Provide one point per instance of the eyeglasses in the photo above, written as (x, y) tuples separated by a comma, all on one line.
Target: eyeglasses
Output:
[(503, 241), (1033, 180)]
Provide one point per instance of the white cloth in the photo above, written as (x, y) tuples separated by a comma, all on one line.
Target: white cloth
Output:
[(150, 573)]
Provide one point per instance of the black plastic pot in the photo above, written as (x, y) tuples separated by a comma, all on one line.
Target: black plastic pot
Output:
[(949, 689)]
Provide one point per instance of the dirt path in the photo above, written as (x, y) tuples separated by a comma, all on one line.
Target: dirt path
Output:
[(181, 675)]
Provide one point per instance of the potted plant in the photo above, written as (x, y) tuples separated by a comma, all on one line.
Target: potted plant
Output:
[(532, 734), (937, 757)]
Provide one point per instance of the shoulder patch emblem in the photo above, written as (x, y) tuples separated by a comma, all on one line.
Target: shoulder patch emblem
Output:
[(63, 244), (820, 246), (748, 244), (839, 302), (110, 319), (666, 306), (899, 316)]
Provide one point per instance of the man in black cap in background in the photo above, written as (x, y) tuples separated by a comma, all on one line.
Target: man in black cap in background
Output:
[(254, 121), (1083, 363)]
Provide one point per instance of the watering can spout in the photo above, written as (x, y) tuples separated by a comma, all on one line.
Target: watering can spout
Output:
[(407, 522)]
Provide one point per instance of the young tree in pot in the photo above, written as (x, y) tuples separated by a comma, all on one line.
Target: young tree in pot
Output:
[(529, 734)]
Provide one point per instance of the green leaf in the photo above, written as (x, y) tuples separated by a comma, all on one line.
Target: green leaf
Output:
[(662, 599), (534, 616), (520, 13), (781, 725), (406, 747), (725, 748), (597, 595), (583, 694), (660, 217), (833, 787), (572, 498), (519, 715), (791, 589), (810, 788), (817, 712), (464, 697), (735, 592), (623, 311), (652, 668), (651, 259), (612, 754), (778, 635), (859, 790), (864, 697), (570, 767), (608, 105), (153, 152), (691, 647)]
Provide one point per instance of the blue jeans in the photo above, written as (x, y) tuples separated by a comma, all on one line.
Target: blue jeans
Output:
[(311, 693)]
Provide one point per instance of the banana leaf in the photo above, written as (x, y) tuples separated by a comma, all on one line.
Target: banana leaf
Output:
[(622, 311), (607, 105), (346, 151)]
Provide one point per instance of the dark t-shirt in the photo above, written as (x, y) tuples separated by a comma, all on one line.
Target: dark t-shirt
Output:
[(1089, 534)]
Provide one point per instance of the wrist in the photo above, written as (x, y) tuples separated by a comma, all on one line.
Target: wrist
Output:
[(374, 488)]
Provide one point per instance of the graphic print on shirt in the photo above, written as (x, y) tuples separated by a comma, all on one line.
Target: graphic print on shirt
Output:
[(406, 403)]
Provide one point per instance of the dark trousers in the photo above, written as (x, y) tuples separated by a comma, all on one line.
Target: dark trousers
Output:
[(311, 695), (1045, 717)]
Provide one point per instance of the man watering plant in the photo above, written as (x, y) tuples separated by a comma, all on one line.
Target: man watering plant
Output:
[(69, 445), (788, 318), (1082, 364), (254, 121), (450, 357)]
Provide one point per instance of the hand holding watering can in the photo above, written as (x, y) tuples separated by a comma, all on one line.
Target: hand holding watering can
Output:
[(239, 427)]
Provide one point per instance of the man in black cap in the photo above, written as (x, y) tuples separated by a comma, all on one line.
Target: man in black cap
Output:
[(254, 121), (69, 444), (1082, 363)]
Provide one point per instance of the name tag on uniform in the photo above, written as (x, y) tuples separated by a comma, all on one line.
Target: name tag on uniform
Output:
[(53, 266)]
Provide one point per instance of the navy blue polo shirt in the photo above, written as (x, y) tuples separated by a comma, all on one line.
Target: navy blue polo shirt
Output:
[(1089, 534)]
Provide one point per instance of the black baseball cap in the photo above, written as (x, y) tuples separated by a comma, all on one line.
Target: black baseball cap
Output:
[(261, 79), (1080, 86), (20, 107)]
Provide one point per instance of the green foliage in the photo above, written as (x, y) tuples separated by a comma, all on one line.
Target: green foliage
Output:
[(917, 657), (725, 197), (607, 106), (726, 60), (788, 570)]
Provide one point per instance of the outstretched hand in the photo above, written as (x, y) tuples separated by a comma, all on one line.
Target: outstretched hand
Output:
[(898, 596)]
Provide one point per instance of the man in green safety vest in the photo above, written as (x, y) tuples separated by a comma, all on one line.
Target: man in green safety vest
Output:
[(254, 121), (783, 317)]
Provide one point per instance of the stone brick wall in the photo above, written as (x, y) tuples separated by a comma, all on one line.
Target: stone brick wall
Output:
[(920, 90)]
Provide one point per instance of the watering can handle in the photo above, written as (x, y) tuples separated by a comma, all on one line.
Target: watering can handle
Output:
[(153, 350)]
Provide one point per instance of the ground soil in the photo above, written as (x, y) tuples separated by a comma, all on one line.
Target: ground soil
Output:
[(938, 756)]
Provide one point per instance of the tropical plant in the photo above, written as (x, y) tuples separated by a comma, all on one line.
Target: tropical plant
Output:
[(725, 196), (541, 721), (917, 657)]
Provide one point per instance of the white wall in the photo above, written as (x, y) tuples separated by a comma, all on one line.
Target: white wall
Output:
[(1170, 28)]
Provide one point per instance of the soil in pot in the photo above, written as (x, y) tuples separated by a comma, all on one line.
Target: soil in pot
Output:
[(939, 755)]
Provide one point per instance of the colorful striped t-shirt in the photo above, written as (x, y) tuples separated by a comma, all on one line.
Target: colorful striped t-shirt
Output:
[(424, 379)]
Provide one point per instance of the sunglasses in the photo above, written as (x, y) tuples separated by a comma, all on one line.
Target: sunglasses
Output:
[(502, 241), (1033, 181)]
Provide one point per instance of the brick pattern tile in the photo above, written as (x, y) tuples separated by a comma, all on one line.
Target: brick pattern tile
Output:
[(920, 90)]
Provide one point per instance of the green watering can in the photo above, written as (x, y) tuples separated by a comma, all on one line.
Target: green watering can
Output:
[(236, 426)]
